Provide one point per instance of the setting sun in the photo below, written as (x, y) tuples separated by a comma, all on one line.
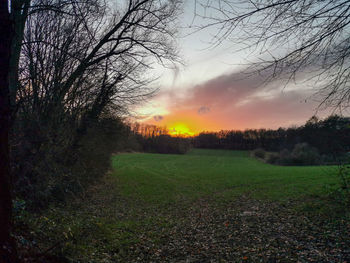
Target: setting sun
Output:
[(180, 129)]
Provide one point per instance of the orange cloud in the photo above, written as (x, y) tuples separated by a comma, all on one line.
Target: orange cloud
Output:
[(186, 122), (234, 101)]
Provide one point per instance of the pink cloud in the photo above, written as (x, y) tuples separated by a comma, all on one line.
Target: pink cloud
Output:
[(238, 102)]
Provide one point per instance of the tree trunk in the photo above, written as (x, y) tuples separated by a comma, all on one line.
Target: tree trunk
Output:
[(7, 245), (19, 13)]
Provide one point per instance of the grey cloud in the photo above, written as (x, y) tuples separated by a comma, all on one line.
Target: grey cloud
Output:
[(158, 118), (238, 88), (203, 110)]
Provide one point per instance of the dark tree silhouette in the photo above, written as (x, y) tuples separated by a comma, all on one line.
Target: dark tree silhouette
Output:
[(7, 248), (330, 136), (65, 63), (94, 58)]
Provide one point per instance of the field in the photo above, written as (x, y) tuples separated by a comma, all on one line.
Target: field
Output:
[(157, 178), (205, 206)]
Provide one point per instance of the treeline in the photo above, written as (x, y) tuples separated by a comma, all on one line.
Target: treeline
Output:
[(155, 139), (329, 136)]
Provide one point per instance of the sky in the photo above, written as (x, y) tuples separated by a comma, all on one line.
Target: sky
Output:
[(210, 92)]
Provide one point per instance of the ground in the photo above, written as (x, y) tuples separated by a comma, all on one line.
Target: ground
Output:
[(205, 206)]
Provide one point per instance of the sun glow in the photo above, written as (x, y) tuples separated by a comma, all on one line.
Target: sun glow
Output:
[(180, 129)]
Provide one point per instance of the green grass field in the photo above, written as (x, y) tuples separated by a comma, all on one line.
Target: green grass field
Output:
[(149, 203), (159, 178)]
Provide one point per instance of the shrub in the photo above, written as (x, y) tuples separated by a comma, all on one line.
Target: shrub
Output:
[(272, 158), (259, 153), (340, 192), (304, 154), (284, 157), (344, 176), (51, 166)]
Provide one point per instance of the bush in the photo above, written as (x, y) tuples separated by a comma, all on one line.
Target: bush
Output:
[(272, 158), (52, 166), (340, 192), (302, 154), (259, 153), (344, 176), (284, 157)]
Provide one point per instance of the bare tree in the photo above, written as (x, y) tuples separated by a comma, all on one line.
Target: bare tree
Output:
[(65, 61), (87, 59), (291, 37)]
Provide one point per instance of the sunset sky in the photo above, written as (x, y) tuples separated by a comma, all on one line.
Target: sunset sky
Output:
[(209, 93)]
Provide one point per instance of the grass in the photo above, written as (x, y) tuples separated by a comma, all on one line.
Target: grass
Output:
[(146, 195), (163, 179)]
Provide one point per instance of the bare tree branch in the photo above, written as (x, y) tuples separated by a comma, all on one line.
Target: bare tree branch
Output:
[(292, 37)]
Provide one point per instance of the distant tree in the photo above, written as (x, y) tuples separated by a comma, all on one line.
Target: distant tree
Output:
[(312, 121), (330, 136), (291, 36), (207, 140)]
